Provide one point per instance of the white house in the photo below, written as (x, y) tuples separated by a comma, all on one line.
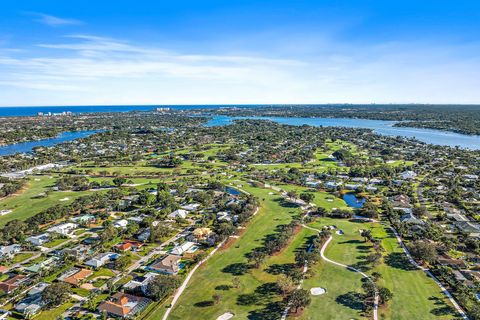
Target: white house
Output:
[(9, 251), (408, 175), (140, 281), (39, 239), (120, 223), (181, 249), (180, 213), (64, 228), (191, 206), (102, 259)]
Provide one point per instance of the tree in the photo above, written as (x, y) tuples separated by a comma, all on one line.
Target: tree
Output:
[(366, 234), (423, 251), (369, 210), (56, 294), (376, 276), (285, 284), (299, 299), (384, 295), (236, 282), (216, 298), (307, 196), (161, 286), (122, 263), (292, 194), (257, 256), (118, 181)]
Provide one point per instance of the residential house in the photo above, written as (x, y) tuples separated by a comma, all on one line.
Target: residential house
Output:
[(76, 276), (185, 247), (124, 305), (120, 223), (191, 206), (168, 265), (408, 175), (39, 239), (140, 282), (12, 283), (128, 246), (179, 213), (9, 251), (64, 228), (43, 265), (102, 259)]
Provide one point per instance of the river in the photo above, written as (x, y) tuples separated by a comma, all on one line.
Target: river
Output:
[(28, 146), (437, 137)]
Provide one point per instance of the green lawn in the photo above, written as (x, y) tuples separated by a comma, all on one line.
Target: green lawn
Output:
[(54, 313), (25, 205)]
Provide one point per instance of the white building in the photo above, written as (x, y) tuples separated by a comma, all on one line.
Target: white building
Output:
[(64, 228), (181, 249), (9, 251), (180, 213), (408, 175), (120, 223), (102, 259)]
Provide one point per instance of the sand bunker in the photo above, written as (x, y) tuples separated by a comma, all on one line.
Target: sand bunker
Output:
[(64, 199), (226, 316), (4, 212), (317, 291)]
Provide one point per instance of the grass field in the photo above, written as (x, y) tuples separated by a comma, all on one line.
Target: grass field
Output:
[(25, 205)]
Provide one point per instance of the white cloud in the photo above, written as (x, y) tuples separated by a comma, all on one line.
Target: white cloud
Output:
[(54, 21), (86, 69)]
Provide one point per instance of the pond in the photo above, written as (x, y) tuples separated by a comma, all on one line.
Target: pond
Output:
[(353, 201), (232, 191)]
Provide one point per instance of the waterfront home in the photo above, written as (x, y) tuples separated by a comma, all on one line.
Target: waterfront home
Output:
[(169, 264), (9, 251), (102, 259), (39, 239), (64, 228), (124, 305)]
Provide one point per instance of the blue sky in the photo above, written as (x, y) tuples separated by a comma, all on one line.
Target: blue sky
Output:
[(81, 52)]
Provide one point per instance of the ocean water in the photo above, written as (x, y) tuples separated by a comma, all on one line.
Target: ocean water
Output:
[(32, 111)]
